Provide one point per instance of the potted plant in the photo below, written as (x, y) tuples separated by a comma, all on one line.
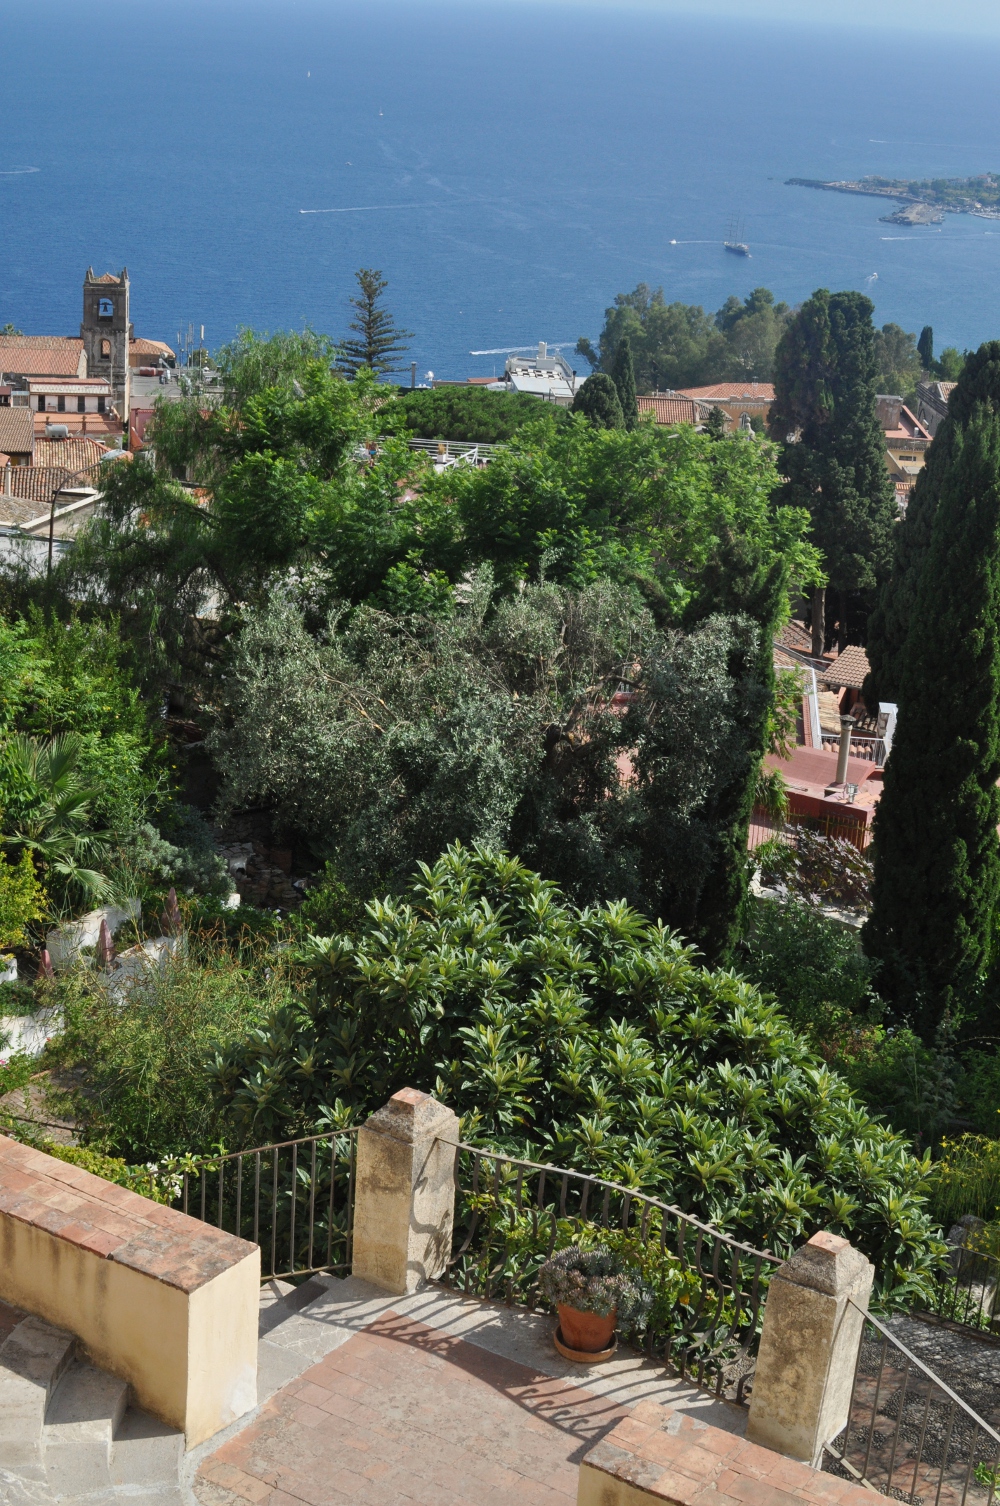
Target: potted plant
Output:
[(592, 1292)]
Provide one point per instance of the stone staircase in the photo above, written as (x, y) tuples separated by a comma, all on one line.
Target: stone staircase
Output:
[(68, 1433)]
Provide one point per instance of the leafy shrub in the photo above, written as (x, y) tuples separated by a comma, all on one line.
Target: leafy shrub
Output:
[(148, 1087), (820, 870), (591, 1039), (980, 1091), (896, 1074), (968, 1179), (593, 1281), (22, 900), (813, 967), (470, 413), (182, 855)]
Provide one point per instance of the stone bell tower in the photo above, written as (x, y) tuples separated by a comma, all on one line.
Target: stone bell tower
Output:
[(106, 333)]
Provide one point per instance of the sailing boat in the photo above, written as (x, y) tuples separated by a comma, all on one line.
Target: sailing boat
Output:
[(735, 242)]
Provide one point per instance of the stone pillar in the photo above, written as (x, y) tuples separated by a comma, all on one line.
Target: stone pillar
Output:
[(404, 1198), (809, 1348), (844, 751)]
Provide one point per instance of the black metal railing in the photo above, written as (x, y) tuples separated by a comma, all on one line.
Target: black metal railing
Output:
[(294, 1199), (968, 1293), (851, 828), (708, 1289), (908, 1434)]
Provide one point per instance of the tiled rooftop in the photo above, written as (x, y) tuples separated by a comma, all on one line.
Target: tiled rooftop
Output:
[(731, 392), (42, 355), (671, 410)]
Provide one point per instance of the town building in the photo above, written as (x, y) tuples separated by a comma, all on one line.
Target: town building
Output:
[(932, 404), (906, 444), (545, 375), (740, 401), (671, 408)]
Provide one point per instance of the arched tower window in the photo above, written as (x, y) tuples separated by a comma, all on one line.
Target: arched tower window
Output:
[(105, 309), (105, 350)]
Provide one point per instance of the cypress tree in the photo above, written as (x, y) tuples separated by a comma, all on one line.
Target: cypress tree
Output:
[(623, 376), (889, 623), (937, 854), (824, 414), (598, 401), (925, 348)]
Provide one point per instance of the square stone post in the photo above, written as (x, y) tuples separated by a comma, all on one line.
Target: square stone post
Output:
[(404, 1197), (809, 1348)]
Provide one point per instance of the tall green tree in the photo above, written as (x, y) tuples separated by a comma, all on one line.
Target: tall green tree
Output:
[(898, 359), (824, 415), (890, 621), (623, 376), (377, 342), (937, 855), (598, 401), (925, 347)]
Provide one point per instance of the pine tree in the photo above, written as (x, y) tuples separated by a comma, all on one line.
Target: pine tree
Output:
[(623, 376), (824, 415), (889, 623), (925, 348), (598, 401), (937, 855), (378, 340)]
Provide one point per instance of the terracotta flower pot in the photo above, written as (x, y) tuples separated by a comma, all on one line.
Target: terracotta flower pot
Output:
[(586, 1332)]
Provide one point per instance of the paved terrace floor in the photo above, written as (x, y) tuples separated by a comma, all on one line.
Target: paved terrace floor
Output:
[(434, 1398)]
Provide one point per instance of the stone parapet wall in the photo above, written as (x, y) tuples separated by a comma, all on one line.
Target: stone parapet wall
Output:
[(161, 1300), (659, 1454)]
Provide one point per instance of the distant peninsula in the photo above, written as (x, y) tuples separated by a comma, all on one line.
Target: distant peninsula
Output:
[(925, 201)]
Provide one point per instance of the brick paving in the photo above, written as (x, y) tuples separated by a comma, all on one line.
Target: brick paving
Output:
[(405, 1413)]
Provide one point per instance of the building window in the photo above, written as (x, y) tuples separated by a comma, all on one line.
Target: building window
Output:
[(81, 405), (105, 350), (61, 404), (105, 309), (100, 405), (41, 402)]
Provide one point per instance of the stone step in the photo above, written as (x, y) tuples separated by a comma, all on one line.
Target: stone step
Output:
[(83, 1415), (33, 1358), (146, 1459)]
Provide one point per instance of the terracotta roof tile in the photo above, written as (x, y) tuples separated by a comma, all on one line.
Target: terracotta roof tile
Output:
[(734, 392), (17, 431), (671, 410), (849, 668), (74, 454), (152, 348), (42, 355)]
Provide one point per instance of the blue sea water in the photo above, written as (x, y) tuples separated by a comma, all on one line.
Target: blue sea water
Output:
[(509, 167)]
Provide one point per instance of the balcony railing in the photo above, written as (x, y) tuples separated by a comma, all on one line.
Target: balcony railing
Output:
[(872, 749), (294, 1199), (968, 1294), (909, 1435), (708, 1288)]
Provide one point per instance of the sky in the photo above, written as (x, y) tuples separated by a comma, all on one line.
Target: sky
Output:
[(951, 18)]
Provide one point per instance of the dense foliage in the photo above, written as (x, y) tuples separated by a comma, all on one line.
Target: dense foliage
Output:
[(471, 413), (589, 1038), (501, 722), (679, 345), (937, 857), (834, 449)]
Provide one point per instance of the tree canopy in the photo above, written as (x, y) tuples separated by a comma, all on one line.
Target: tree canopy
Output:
[(375, 342), (679, 345), (584, 1038)]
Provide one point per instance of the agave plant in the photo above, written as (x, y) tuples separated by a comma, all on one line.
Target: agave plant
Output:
[(52, 811)]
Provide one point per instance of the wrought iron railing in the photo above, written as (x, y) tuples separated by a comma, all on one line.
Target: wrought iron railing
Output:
[(908, 1434), (708, 1289), (848, 827), (871, 749), (294, 1199), (968, 1293)]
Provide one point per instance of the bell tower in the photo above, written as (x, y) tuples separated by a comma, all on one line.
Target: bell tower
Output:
[(106, 333)]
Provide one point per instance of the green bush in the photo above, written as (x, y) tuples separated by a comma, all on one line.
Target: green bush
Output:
[(147, 1088), (140, 1179), (472, 414), (813, 967), (592, 1039)]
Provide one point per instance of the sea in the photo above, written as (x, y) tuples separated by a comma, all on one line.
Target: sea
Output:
[(508, 166)]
